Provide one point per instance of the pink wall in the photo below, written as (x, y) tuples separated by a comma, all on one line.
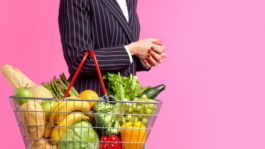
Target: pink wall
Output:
[(214, 71)]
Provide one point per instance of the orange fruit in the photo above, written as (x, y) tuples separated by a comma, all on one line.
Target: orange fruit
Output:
[(89, 94)]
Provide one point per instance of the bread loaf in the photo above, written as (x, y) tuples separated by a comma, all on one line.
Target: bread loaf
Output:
[(42, 144), (41, 92), (33, 115), (15, 77)]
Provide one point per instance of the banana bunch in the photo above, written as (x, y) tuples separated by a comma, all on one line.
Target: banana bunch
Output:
[(63, 116)]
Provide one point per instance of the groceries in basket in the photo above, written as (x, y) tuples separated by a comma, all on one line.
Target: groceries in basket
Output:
[(110, 142), (49, 120)]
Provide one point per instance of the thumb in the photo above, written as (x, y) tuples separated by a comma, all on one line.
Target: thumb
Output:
[(157, 42)]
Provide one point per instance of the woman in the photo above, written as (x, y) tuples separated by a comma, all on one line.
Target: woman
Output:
[(111, 28)]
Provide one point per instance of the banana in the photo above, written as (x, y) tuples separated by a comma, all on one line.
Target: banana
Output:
[(70, 106), (64, 107), (69, 120), (55, 106), (54, 109), (48, 130)]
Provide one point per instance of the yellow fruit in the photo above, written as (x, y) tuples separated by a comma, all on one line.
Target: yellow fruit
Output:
[(55, 110), (89, 94), (62, 109), (70, 106), (73, 97), (71, 119), (48, 130)]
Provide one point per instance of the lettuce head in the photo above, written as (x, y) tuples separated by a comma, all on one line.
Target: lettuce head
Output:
[(80, 136)]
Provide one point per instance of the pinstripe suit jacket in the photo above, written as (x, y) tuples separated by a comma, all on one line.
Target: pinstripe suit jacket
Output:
[(98, 25)]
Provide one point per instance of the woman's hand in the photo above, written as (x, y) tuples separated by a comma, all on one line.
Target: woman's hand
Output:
[(154, 55), (150, 50)]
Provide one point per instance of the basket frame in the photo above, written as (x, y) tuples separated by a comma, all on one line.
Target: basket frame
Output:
[(105, 98)]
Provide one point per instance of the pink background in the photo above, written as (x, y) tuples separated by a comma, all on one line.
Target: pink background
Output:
[(214, 72)]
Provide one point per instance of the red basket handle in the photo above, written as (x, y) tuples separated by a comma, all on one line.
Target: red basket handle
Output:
[(80, 66)]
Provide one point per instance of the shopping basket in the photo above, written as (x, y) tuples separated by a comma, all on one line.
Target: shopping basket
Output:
[(39, 134)]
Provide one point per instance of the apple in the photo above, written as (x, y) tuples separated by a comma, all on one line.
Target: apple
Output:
[(23, 92), (47, 106)]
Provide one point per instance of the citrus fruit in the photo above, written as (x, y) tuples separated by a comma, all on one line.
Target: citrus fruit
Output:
[(89, 94)]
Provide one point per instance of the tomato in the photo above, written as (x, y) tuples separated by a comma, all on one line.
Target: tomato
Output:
[(114, 138), (112, 144)]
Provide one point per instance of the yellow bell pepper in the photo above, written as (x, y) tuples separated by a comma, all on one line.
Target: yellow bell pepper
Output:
[(135, 138)]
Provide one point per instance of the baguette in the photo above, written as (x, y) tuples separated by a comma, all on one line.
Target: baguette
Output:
[(15, 77)]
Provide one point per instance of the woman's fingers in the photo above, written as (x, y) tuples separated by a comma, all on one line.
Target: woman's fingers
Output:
[(158, 49), (150, 60), (163, 55), (156, 57), (158, 42), (147, 64)]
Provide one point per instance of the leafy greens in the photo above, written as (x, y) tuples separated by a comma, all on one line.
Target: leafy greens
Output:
[(124, 87)]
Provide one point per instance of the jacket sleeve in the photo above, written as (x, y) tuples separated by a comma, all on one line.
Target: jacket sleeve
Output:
[(141, 66), (75, 30)]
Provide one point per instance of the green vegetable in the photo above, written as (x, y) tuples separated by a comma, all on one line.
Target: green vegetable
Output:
[(63, 78), (109, 117), (49, 88), (57, 86), (55, 89), (71, 93), (153, 92), (61, 86), (79, 132), (124, 87), (109, 92)]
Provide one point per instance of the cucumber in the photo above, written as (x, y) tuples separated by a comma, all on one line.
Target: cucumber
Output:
[(153, 92)]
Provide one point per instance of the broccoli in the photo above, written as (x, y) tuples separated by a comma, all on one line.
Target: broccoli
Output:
[(109, 117)]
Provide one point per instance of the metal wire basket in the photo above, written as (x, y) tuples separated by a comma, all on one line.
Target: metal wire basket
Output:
[(74, 125)]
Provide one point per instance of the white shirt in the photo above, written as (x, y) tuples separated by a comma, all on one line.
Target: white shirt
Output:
[(123, 6)]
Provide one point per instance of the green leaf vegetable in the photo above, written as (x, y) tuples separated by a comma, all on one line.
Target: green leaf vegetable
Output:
[(77, 137), (109, 117), (124, 87)]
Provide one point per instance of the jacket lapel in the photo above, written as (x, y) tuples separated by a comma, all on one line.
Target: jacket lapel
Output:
[(114, 8), (131, 9)]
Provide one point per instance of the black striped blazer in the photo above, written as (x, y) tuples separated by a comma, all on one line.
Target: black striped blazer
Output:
[(98, 25)]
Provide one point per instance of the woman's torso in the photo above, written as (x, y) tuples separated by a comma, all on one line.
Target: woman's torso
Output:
[(109, 28)]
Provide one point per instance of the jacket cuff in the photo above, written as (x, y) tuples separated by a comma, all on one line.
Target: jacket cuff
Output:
[(129, 53)]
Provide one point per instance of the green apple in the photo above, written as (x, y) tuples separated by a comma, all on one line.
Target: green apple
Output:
[(47, 106), (23, 92)]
